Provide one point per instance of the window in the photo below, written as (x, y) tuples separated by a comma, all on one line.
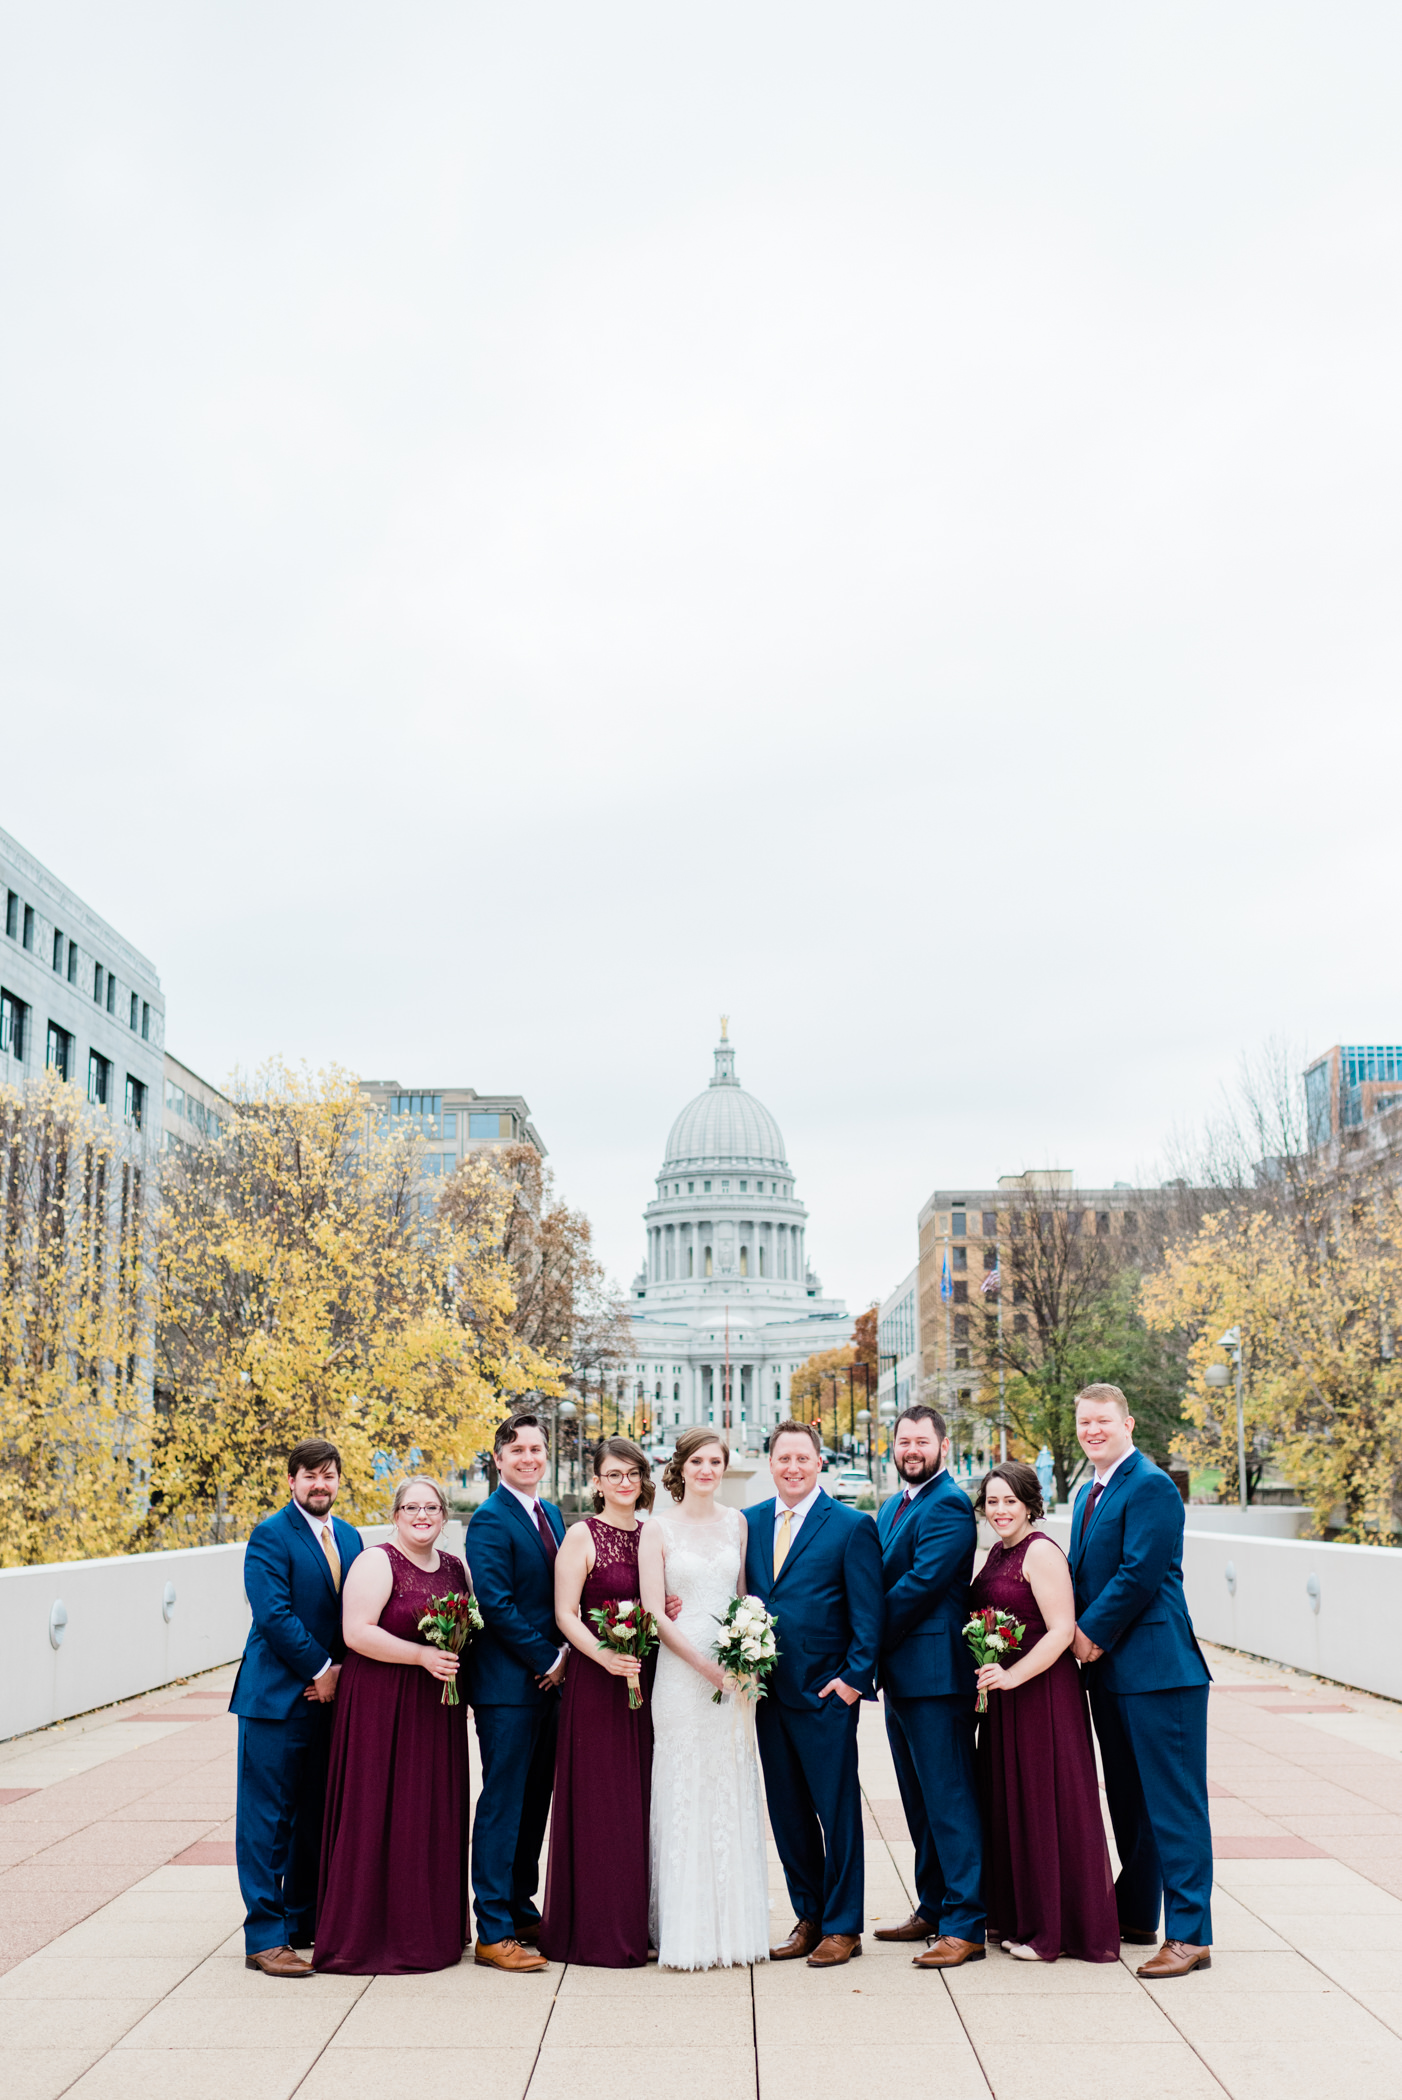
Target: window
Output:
[(691, 1188), (990, 1224), (59, 1053), (956, 1224), (72, 962), (483, 1128), (708, 1261), (961, 1293), (97, 982), (990, 1260), (111, 993), (135, 1101), (705, 1188), (194, 1112), (29, 925), (691, 1261), (58, 949), (744, 1261), (145, 1022), (959, 1258), (1020, 1323), (725, 1188), (12, 915), (1131, 1223), (135, 1003), (450, 1123), (175, 1098), (14, 1026), (744, 1188), (1102, 1223), (961, 1359), (761, 1261), (99, 1078)]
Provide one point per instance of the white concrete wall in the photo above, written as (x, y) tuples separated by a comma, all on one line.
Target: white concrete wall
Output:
[(1252, 1593), (118, 1641)]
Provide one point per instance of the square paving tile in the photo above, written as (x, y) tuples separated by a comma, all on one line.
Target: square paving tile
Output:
[(286, 2020), (468, 2020), (67, 2023), (176, 2074), (697, 2073), (443, 2074), (1262, 2067), (137, 1976), (1320, 2016), (884, 2071), (42, 2074), (1092, 2070)]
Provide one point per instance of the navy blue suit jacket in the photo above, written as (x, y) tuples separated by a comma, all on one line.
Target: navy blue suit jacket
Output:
[(827, 1599), (296, 1613), (1128, 1575), (513, 1579), (927, 1564)]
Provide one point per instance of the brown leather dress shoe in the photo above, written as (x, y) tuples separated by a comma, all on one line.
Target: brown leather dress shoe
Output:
[(914, 1928), (801, 1941), (1130, 1938), (836, 1950), (950, 1953), (278, 1961), (508, 1954), (1175, 1958), (529, 1934)]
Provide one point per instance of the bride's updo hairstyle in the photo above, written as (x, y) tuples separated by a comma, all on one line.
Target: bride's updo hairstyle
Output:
[(623, 1447), (1023, 1481), (688, 1444)]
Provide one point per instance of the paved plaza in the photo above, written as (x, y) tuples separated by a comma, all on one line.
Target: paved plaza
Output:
[(123, 1969)]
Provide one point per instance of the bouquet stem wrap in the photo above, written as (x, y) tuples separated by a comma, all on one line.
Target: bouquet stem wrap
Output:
[(450, 1624), (993, 1636), (628, 1630)]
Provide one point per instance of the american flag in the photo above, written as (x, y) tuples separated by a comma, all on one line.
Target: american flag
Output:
[(992, 1282)]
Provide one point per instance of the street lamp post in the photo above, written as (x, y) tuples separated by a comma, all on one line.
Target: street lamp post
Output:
[(1218, 1375), (864, 1425)]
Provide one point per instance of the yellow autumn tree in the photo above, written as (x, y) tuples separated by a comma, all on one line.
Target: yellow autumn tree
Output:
[(1313, 1290), (75, 1326), (307, 1286)]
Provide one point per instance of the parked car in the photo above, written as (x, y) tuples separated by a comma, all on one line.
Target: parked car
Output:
[(848, 1483)]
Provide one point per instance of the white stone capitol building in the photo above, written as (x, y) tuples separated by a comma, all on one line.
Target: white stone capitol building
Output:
[(725, 1244)]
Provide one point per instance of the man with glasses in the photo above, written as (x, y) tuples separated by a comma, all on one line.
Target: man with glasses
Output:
[(293, 1568)]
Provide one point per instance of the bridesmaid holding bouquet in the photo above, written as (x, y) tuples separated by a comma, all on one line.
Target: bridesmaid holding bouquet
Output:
[(596, 1877), (1047, 1870)]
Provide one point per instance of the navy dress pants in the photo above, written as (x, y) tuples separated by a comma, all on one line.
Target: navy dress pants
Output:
[(815, 1808), (517, 1744), (282, 1769), (1153, 1747), (932, 1746)]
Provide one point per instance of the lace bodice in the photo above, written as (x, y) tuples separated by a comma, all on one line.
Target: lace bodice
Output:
[(1001, 1583), (703, 1568), (415, 1589), (615, 1569)]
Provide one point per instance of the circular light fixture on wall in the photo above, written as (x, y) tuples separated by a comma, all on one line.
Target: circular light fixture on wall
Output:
[(58, 1622)]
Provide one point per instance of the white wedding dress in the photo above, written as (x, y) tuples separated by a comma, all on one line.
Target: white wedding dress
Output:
[(709, 1899)]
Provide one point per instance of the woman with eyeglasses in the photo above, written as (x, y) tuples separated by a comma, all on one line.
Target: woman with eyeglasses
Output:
[(394, 1882), (596, 1877)]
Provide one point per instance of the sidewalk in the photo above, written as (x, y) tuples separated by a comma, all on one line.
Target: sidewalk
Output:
[(123, 1966)]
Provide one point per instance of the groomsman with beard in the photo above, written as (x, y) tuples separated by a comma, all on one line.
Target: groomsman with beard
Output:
[(926, 1673), (817, 1567), (513, 1673), (1148, 1686)]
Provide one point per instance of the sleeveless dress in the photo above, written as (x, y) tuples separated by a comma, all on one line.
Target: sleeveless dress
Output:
[(1047, 1874), (710, 1874), (596, 1872), (394, 1850)]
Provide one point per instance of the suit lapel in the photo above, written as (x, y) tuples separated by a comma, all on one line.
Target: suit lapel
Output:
[(301, 1529), (761, 1523), (812, 1524), (514, 1509)]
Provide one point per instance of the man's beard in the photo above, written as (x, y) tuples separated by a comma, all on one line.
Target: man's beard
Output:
[(323, 1495), (917, 1469)]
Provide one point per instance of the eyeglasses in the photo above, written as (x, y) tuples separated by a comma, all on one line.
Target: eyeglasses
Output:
[(419, 1509), (633, 1479)]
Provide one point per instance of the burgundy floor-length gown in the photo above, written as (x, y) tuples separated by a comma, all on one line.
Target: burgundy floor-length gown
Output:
[(394, 1882), (1047, 1873), (596, 1877)]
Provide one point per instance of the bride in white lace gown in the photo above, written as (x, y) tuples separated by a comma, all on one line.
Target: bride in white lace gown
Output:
[(709, 1897)]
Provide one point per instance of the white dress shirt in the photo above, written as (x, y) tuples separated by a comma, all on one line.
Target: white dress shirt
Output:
[(1106, 1477)]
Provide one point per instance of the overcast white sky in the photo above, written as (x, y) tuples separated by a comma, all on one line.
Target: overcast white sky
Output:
[(523, 527)]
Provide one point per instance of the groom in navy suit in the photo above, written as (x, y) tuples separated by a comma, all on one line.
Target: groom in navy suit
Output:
[(1148, 1686), (817, 1566), (514, 1669), (292, 1572), (928, 1536)]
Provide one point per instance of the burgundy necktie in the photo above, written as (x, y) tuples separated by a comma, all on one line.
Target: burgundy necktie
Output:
[(542, 1525), (1091, 1499), (901, 1507)]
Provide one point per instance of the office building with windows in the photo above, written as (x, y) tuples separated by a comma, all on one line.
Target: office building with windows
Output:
[(192, 1111), (727, 1283), (454, 1122), (898, 1343), (1347, 1087), (77, 998)]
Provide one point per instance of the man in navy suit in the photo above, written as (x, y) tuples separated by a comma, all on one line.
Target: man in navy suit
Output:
[(514, 1669), (292, 1572), (928, 1536), (1148, 1686), (817, 1567)]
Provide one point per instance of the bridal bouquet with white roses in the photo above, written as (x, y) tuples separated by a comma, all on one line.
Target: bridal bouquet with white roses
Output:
[(747, 1649)]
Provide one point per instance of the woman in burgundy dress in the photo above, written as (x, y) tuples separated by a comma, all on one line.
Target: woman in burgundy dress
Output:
[(1047, 1872), (394, 1847), (596, 1877)]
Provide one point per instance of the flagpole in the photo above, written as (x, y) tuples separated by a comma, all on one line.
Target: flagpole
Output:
[(1002, 1409)]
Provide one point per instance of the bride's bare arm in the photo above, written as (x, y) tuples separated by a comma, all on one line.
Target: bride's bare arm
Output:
[(652, 1580)]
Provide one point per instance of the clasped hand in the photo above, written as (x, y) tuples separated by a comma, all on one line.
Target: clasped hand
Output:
[(1084, 1649)]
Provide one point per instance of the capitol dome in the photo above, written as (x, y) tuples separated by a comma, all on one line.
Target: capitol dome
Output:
[(724, 1127)]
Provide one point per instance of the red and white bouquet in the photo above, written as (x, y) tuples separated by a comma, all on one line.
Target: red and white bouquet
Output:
[(747, 1649), (993, 1636), (450, 1624), (628, 1629)]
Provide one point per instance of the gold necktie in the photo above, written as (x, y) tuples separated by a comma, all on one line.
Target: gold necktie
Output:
[(328, 1547), (781, 1542)]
